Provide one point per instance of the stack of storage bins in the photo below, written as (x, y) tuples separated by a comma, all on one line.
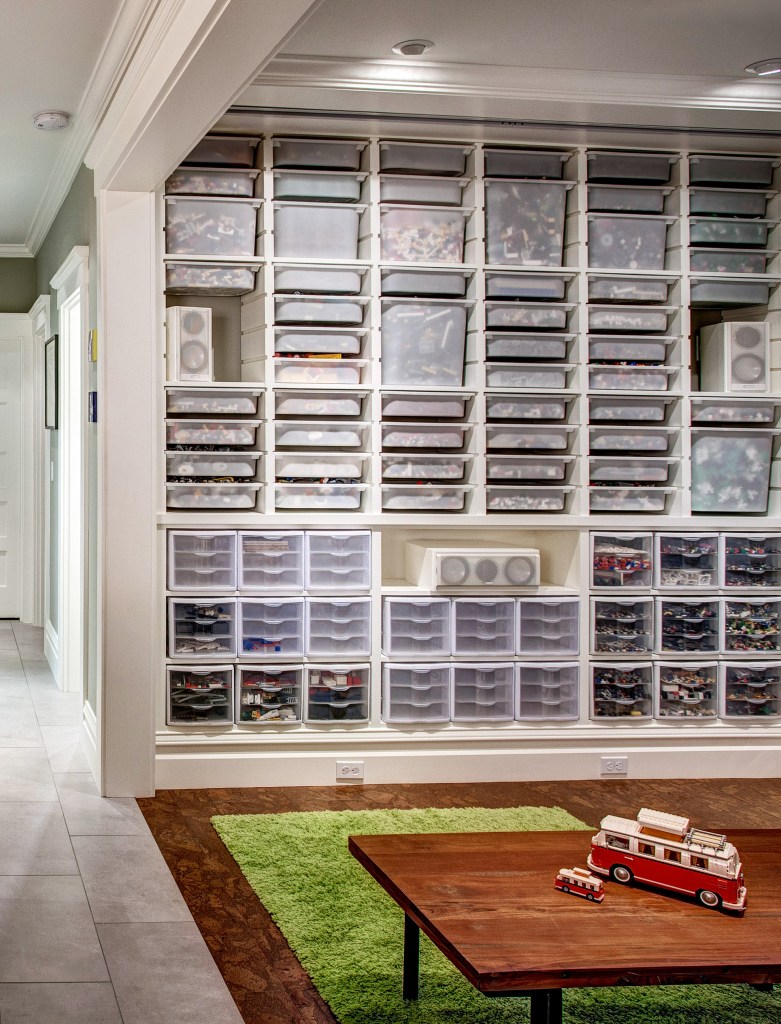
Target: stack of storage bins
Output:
[(530, 376), (633, 351), (320, 315), (425, 215)]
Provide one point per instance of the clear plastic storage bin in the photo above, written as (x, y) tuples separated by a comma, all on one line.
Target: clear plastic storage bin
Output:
[(728, 261), (339, 628), (686, 691), (619, 319), (483, 693), (416, 626), (200, 696), (626, 242), (424, 435), (751, 626), (271, 561), (425, 467), (422, 158), (622, 690), (221, 497), (211, 402), (527, 499), (525, 286), (329, 497), (269, 694), (627, 289), (317, 280), (328, 466), (647, 168), (524, 163), (338, 560), (201, 561), (548, 625), (628, 499), (688, 625), (751, 561), (653, 440), (729, 411), (211, 465), (629, 378), (416, 693), (319, 371), (628, 348), (424, 498), (224, 433), (731, 470), (546, 376), (729, 293), (318, 186), (423, 343), (537, 468), (605, 469), (320, 154), (422, 406), (205, 226), (626, 199), (271, 629), (223, 150), (337, 693), (750, 691), (331, 311), (687, 561), (547, 691), (628, 410), (316, 231), (728, 231), (525, 222), (718, 169), (720, 202), (535, 438), (621, 560), (434, 283), (424, 189), (527, 346), (325, 404), (326, 341), (302, 434), (202, 630), (183, 278), (211, 181), (422, 234), (484, 626), (623, 626), (520, 315)]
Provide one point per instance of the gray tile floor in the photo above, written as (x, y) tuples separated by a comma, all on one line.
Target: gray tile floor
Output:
[(93, 929)]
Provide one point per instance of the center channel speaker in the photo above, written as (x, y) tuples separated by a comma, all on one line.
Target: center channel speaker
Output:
[(735, 358), (189, 343), (435, 568)]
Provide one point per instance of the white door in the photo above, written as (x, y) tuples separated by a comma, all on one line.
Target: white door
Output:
[(10, 482)]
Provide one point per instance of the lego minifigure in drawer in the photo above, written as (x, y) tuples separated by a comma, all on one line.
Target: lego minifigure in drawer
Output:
[(751, 626)]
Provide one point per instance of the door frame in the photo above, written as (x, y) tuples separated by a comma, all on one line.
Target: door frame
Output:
[(35, 463)]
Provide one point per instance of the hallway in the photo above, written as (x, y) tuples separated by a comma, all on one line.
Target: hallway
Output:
[(93, 929)]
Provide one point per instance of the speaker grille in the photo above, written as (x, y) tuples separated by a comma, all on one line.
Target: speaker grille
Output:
[(194, 356), (520, 571), (748, 369), (486, 570), (453, 570), (747, 337)]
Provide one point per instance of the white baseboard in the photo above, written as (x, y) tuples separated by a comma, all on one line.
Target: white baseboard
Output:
[(51, 650), (89, 740)]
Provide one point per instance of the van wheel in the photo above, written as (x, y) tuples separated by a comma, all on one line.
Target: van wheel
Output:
[(622, 874), (709, 899), (590, 896), (565, 888)]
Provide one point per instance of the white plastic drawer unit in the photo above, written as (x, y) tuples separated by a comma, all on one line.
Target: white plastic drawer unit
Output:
[(338, 560), (211, 402), (751, 561), (202, 630), (623, 626), (627, 289), (531, 468), (200, 696), (686, 561), (424, 406), (268, 694), (318, 186), (202, 561), (622, 690), (212, 181), (426, 189), (605, 470), (525, 163), (294, 468), (548, 625), (318, 154), (625, 409), (422, 158), (271, 561), (318, 341), (450, 468), (751, 626), (688, 625), (208, 226), (721, 202), (527, 407), (635, 167), (416, 626), (328, 310), (627, 198), (223, 150), (541, 438), (422, 234), (319, 371), (337, 693), (629, 348), (220, 497), (544, 376), (728, 293), (525, 222), (621, 560), (319, 497), (484, 626), (423, 342), (211, 465), (483, 693), (623, 241), (521, 315), (750, 691), (416, 694), (319, 403), (729, 261), (527, 499), (527, 346), (632, 440), (223, 433), (730, 469), (730, 170), (183, 278), (603, 498), (316, 434), (547, 691), (449, 283), (615, 319), (271, 629), (687, 690), (424, 435), (316, 231), (318, 280), (424, 498), (339, 627)]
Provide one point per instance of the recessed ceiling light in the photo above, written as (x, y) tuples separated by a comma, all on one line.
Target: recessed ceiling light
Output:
[(771, 66), (412, 47), (51, 120)]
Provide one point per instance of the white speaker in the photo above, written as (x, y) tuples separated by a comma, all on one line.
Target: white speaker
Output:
[(189, 343), (735, 357), (436, 568)]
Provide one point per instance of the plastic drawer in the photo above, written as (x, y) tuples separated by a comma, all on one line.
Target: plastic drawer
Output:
[(551, 469), (208, 279), (621, 560), (268, 694), (525, 163), (320, 154), (537, 438), (338, 627), (751, 626), (731, 411), (229, 433), (227, 150), (717, 169), (424, 498), (484, 626), (325, 280), (731, 470), (205, 226), (423, 343), (729, 293), (547, 376), (271, 561), (424, 435), (337, 693), (648, 168), (728, 261), (413, 693), (201, 561), (626, 199), (291, 468), (629, 499), (622, 690), (316, 231), (522, 315), (688, 625), (548, 626), (310, 403), (211, 465), (527, 499), (211, 181), (751, 561), (687, 561), (271, 629), (202, 630), (319, 497), (622, 626), (224, 497), (524, 286), (719, 202), (200, 696), (420, 158), (318, 186), (422, 234), (627, 289), (626, 242), (418, 406), (338, 560), (425, 467), (527, 346), (416, 626), (686, 691), (625, 348), (204, 402), (317, 342), (728, 231), (525, 222), (483, 693), (632, 410), (425, 189), (655, 441), (302, 434), (629, 378), (750, 691), (618, 319), (607, 470), (547, 691), (435, 283), (318, 371), (320, 309)]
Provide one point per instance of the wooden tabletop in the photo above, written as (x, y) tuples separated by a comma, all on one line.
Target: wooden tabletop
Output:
[(487, 901)]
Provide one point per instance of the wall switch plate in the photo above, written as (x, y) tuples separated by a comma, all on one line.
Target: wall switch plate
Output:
[(349, 770), (614, 765)]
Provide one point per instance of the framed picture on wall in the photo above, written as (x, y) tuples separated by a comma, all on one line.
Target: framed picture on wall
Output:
[(50, 389)]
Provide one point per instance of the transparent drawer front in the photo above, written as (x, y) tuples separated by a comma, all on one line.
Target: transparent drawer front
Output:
[(211, 465), (272, 629), (752, 627), (729, 261), (201, 226), (619, 319), (203, 630), (548, 626), (527, 346), (625, 409), (714, 169), (621, 560), (524, 286), (687, 691), (646, 168), (319, 186), (319, 371), (728, 202), (547, 691), (221, 497), (323, 154), (303, 434), (421, 234), (623, 627), (626, 199), (314, 342), (201, 561), (269, 695), (423, 343), (729, 293), (230, 151), (644, 439), (688, 626), (524, 163), (183, 278), (603, 470), (416, 406), (549, 469), (271, 561), (420, 158), (730, 470), (602, 498), (622, 691), (423, 435), (687, 561), (542, 438), (421, 189), (337, 693), (626, 348), (622, 289), (728, 231), (483, 693), (411, 693), (200, 696), (626, 243), (444, 283), (728, 411), (420, 627), (525, 222), (320, 309), (424, 498), (522, 407), (316, 231), (751, 560), (201, 402), (424, 467), (224, 433), (751, 691), (340, 628), (520, 315), (319, 497), (338, 561), (629, 378), (318, 280), (527, 499), (527, 375), (319, 467), (310, 403), (483, 627)]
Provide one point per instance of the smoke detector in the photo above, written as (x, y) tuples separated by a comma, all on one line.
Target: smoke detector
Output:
[(51, 120)]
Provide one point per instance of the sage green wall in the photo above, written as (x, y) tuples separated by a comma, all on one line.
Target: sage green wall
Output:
[(17, 285)]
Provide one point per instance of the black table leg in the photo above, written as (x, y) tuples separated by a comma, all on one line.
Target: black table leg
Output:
[(411, 959), (546, 1006)]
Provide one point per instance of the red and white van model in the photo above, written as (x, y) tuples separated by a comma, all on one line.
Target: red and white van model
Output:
[(580, 882)]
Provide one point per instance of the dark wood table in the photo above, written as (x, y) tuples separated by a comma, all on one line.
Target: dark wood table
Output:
[(487, 901)]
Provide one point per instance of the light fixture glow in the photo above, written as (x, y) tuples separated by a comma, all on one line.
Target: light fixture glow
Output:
[(770, 66), (412, 47)]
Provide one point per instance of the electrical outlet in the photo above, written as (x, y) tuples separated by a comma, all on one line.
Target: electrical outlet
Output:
[(349, 770), (614, 765)]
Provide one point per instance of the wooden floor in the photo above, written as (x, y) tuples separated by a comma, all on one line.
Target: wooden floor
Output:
[(265, 978)]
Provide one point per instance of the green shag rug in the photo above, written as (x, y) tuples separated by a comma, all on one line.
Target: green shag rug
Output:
[(348, 933)]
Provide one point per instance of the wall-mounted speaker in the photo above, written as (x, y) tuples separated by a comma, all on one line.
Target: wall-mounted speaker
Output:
[(735, 357), (189, 343), (438, 568)]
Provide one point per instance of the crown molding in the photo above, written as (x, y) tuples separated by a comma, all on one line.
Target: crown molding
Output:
[(16, 250)]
